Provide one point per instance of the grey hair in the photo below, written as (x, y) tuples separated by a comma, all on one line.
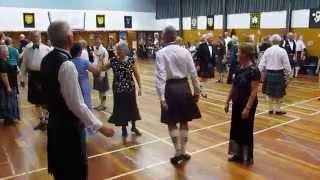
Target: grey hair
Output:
[(275, 39), (209, 35), (170, 32), (3, 48), (124, 47), (58, 33), (8, 41)]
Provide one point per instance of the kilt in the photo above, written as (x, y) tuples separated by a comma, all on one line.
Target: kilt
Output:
[(35, 90), (274, 84), (206, 70), (180, 101), (300, 62), (101, 84)]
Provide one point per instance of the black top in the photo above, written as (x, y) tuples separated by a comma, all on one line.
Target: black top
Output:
[(220, 50), (204, 56), (122, 70), (287, 47), (23, 44), (242, 83), (3, 69)]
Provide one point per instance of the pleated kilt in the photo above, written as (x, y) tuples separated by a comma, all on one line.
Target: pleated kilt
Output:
[(181, 104), (101, 84), (35, 90), (274, 84)]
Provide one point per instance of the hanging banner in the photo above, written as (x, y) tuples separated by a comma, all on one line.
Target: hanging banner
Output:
[(100, 21), (28, 20), (128, 21), (255, 19), (314, 18), (194, 23), (210, 22)]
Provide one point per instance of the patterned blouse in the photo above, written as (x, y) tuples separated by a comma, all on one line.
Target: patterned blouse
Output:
[(123, 81)]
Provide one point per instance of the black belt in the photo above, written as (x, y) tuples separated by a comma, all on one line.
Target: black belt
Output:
[(177, 80), (275, 71)]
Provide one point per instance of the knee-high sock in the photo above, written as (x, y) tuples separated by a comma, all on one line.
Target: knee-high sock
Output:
[(297, 71), (183, 140), (202, 90), (174, 134), (43, 114), (103, 98), (278, 104), (271, 104)]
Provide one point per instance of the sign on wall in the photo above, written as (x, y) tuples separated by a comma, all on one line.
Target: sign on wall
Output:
[(255, 19), (127, 21), (194, 23), (100, 21), (28, 20), (210, 22), (314, 18)]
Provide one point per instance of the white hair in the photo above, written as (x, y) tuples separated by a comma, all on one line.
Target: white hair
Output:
[(58, 33), (275, 39), (124, 47), (209, 35)]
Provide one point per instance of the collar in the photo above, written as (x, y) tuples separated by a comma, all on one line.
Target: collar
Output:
[(170, 43), (64, 51)]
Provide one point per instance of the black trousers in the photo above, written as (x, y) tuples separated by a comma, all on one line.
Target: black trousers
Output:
[(232, 71)]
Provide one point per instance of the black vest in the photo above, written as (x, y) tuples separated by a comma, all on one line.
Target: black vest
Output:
[(66, 141), (287, 47)]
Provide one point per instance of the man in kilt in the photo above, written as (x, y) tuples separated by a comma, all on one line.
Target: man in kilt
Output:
[(32, 58), (275, 66), (174, 65)]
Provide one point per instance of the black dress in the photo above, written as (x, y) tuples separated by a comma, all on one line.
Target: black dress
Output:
[(206, 60), (125, 106), (241, 132), (220, 52)]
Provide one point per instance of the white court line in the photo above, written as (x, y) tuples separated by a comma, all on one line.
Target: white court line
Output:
[(198, 151), (138, 145)]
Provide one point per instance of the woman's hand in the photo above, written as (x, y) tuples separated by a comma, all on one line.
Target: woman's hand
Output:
[(226, 107), (245, 113), (164, 105)]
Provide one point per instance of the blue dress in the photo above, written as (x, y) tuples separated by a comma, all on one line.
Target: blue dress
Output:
[(82, 66)]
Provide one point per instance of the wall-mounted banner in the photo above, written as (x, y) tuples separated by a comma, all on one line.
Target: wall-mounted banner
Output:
[(210, 22), (100, 21), (28, 20), (255, 19), (127, 21), (314, 18), (194, 23)]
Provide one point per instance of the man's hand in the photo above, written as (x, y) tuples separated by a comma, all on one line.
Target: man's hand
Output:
[(164, 105), (106, 131), (22, 84), (196, 97)]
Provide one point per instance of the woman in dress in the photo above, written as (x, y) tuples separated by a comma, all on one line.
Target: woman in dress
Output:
[(243, 94), (83, 66), (125, 107)]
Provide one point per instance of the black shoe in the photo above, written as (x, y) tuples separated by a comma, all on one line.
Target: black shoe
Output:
[(136, 131), (9, 122), (177, 160), (281, 113), (124, 133), (185, 157), (270, 112), (247, 162), (41, 126)]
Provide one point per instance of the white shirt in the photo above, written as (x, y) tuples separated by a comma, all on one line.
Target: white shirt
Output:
[(32, 58), (101, 56), (174, 62), (226, 41), (275, 58), (71, 92), (210, 49), (84, 54), (300, 46)]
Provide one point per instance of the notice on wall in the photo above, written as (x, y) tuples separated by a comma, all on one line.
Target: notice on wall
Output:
[(28, 20), (194, 23), (100, 21), (210, 22), (314, 18), (255, 19)]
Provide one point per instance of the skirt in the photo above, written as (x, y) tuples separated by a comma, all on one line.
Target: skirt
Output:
[(221, 66), (101, 83), (35, 90), (9, 106), (125, 108), (274, 84), (241, 131), (206, 70), (180, 101)]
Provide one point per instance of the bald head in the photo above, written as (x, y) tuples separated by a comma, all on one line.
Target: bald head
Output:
[(169, 34), (60, 34), (290, 36)]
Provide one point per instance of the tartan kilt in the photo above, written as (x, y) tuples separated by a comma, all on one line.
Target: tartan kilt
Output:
[(274, 84), (35, 90)]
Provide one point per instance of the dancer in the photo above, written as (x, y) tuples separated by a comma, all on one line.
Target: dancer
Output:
[(233, 57), (67, 157), (125, 106), (220, 58), (301, 55), (243, 94), (174, 65), (275, 63), (100, 82), (32, 58), (290, 46)]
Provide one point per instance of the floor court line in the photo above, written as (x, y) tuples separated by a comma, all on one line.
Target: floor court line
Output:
[(138, 145)]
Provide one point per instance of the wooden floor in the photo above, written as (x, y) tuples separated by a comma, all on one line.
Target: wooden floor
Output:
[(286, 147)]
